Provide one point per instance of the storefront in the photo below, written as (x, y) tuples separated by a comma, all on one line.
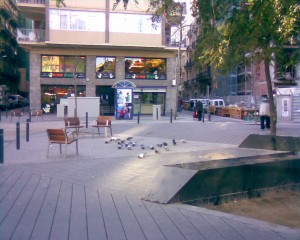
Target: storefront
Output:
[(145, 97)]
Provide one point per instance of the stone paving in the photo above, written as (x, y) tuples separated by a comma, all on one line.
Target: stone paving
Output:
[(97, 194)]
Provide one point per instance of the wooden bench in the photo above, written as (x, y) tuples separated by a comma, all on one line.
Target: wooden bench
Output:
[(73, 123), (37, 113), (16, 114), (103, 122), (60, 136)]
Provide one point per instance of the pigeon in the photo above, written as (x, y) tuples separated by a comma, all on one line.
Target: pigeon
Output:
[(167, 148), (113, 138), (106, 142), (159, 145), (142, 155), (142, 146), (122, 141), (129, 138), (165, 144), (133, 144), (151, 147), (183, 141), (129, 148), (174, 142), (119, 146), (156, 151)]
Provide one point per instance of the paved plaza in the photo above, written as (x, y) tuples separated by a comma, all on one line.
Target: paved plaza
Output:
[(99, 193)]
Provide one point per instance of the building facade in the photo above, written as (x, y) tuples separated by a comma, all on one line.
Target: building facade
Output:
[(9, 76), (87, 48)]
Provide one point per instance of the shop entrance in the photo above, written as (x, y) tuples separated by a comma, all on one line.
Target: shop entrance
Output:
[(107, 100)]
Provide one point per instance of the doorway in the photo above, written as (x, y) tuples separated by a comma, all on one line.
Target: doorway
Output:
[(107, 100)]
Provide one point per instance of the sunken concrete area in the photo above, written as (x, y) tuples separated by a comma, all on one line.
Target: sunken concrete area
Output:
[(216, 181)]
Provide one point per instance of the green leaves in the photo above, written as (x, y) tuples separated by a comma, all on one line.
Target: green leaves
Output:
[(232, 29)]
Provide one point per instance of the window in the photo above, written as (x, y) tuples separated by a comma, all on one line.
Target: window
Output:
[(145, 68), (63, 66), (132, 23), (105, 67), (77, 20)]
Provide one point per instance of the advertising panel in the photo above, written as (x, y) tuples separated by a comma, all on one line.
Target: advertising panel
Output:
[(124, 106)]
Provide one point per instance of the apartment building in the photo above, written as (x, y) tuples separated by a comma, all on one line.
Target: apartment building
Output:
[(92, 48), (8, 45)]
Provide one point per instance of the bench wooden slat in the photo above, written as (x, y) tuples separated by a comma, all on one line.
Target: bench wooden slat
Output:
[(103, 122), (59, 136)]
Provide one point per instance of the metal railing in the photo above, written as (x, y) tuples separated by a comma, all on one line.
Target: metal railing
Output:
[(30, 35), (32, 1)]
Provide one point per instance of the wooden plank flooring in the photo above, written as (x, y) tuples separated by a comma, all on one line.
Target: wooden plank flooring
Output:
[(35, 206)]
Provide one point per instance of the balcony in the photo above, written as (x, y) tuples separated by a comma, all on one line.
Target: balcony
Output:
[(30, 35), (174, 44), (32, 9)]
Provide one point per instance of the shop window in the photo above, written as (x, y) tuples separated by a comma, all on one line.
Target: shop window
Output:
[(63, 66), (105, 67), (145, 68)]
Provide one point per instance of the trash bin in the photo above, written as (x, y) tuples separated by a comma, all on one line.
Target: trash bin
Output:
[(156, 112)]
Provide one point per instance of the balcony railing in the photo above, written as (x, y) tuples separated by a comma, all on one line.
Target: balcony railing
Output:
[(30, 35), (32, 1), (174, 44)]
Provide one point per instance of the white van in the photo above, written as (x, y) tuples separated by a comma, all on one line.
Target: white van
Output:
[(217, 102), (193, 101)]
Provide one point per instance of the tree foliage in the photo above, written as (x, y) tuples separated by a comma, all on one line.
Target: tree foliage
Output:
[(258, 29), (241, 31)]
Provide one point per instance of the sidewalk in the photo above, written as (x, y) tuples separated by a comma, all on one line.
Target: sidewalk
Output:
[(97, 195)]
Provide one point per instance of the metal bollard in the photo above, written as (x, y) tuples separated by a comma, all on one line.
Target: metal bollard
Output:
[(18, 135), (156, 113), (6, 112), (1, 146), (171, 116), (209, 116), (138, 118), (27, 130), (203, 116), (86, 120)]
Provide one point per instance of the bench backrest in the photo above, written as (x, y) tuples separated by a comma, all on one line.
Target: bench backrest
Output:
[(16, 113), (57, 135), (72, 121), (104, 120)]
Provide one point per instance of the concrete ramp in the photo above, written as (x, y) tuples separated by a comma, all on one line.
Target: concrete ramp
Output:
[(271, 142), (213, 182), (167, 183)]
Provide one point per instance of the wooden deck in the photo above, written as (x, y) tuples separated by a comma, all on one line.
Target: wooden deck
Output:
[(36, 206)]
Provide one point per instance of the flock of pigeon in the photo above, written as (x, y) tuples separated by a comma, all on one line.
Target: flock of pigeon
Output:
[(130, 144)]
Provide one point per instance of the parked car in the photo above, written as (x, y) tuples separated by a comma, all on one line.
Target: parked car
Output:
[(15, 101), (193, 101), (217, 102)]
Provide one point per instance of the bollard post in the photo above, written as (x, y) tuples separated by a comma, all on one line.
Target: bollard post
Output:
[(208, 116), (1, 146), (138, 118), (27, 130), (203, 116), (156, 113), (29, 115), (171, 116), (86, 120), (18, 135), (6, 112)]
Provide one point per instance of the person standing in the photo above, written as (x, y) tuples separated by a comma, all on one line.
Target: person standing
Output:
[(199, 109), (264, 113)]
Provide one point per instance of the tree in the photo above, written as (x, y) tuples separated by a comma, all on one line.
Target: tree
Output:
[(243, 31)]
